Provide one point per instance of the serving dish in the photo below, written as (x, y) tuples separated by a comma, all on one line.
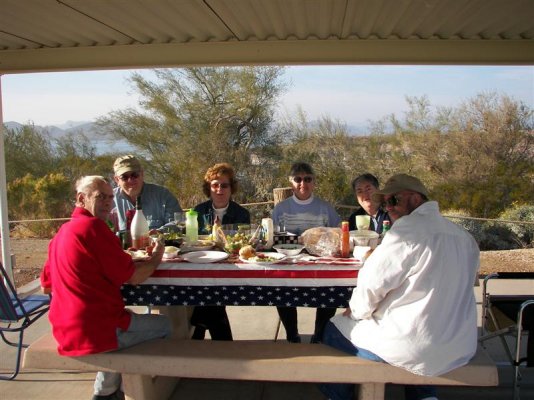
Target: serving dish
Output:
[(138, 255), (289, 249), (171, 252), (199, 245)]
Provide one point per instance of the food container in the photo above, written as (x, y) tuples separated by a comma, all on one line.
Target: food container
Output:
[(289, 249), (285, 238), (364, 238), (170, 252)]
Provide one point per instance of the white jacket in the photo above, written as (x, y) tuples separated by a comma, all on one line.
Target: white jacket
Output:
[(414, 304)]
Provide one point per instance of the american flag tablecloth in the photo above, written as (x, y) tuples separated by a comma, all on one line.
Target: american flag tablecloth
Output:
[(314, 284)]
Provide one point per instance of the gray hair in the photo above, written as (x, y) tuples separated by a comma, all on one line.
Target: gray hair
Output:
[(89, 182)]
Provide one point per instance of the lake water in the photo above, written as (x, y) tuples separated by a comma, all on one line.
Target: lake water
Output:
[(118, 146)]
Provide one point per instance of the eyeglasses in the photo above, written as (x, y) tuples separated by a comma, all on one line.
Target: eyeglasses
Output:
[(217, 185), (394, 200), (126, 177), (307, 179), (103, 197)]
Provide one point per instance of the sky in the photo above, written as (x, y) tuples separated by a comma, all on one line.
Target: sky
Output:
[(354, 95)]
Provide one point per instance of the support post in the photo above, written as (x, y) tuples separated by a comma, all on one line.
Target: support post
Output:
[(280, 194), (4, 223)]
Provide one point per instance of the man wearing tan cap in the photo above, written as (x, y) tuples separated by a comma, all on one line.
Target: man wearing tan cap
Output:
[(159, 204), (414, 305)]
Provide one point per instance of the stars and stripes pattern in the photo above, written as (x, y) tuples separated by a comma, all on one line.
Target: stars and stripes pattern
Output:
[(325, 284), (167, 295)]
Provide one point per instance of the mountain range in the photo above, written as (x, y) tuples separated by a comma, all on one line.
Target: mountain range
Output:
[(56, 132), (103, 142)]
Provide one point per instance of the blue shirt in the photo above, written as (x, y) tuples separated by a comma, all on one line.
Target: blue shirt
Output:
[(297, 216), (158, 203)]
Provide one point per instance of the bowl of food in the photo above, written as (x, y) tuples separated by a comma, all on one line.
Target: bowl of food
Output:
[(364, 238), (171, 252), (173, 239), (289, 249), (235, 242)]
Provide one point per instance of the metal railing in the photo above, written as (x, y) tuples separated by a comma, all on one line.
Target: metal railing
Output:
[(336, 206)]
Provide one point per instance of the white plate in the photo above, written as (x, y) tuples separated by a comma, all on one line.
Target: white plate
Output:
[(277, 256), (138, 255), (204, 257)]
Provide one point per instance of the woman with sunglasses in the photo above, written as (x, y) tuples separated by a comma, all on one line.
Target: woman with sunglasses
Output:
[(363, 187), (296, 214), (219, 185)]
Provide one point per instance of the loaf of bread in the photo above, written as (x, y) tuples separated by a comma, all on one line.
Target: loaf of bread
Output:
[(322, 241)]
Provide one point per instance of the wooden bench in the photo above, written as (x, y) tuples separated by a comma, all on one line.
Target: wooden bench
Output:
[(146, 367)]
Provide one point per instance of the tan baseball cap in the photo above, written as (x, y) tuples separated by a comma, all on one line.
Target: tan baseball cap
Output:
[(398, 183), (126, 164)]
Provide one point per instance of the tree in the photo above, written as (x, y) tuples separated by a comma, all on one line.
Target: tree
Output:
[(477, 156), (75, 156), (325, 145), (195, 117), (27, 152), (50, 196)]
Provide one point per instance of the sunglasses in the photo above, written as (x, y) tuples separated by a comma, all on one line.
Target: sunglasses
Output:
[(394, 200), (126, 177), (216, 185), (307, 179)]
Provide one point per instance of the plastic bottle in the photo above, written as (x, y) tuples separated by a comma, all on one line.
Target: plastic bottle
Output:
[(191, 226), (386, 226), (268, 229), (215, 229), (139, 227), (345, 239)]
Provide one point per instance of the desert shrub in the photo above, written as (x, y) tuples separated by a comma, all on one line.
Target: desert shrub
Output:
[(497, 236), (40, 198), (474, 227), (524, 232), (490, 235)]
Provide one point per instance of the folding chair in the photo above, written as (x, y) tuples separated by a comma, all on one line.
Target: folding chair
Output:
[(507, 315), (16, 314)]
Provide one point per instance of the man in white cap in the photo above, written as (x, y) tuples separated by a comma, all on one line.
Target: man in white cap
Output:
[(414, 305), (159, 204)]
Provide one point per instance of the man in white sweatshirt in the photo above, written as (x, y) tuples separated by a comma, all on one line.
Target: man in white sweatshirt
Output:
[(414, 305)]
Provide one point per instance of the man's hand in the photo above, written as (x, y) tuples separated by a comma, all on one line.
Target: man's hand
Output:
[(143, 269), (347, 313), (158, 250)]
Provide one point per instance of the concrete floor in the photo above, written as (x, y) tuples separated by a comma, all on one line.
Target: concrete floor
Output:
[(247, 323)]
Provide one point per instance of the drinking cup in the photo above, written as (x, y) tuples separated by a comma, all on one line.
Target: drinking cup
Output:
[(362, 222), (179, 220)]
